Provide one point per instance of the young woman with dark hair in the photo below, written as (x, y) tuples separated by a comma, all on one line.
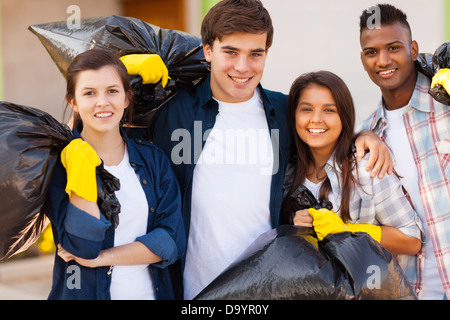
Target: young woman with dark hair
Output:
[(322, 117), (150, 234)]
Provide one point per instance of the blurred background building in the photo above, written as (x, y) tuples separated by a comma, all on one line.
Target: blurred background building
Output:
[(309, 35)]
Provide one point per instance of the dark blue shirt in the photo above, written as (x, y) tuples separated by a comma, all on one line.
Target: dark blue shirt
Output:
[(196, 112), (85, 236)]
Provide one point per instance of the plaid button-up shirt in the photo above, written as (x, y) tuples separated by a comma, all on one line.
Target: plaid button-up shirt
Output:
[(427, 124), (373, 200)]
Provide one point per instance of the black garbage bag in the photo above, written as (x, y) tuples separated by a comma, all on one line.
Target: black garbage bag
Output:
[(289, 263), (302, 198), (430, 64), (182, 54), (30, 142), (372, 271), (107, 201), (29, 139), (285, 263)]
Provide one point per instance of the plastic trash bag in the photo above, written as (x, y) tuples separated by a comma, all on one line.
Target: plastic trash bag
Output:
[(107, 201), (182, 54), (285, 263), (302, 198), (29, 139), (30, 143), (429, 64), (289, 263), (372, 270)]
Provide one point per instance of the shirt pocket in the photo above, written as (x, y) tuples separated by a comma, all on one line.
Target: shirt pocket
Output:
[(443, 148)]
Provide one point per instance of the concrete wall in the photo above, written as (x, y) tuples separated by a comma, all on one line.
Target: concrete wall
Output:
[(309, 35), (30, 77), (324, 34)]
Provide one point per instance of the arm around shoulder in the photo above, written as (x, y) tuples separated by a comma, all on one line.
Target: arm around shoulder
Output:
[(380, 161)]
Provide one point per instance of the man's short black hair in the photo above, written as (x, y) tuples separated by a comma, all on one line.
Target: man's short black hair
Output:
[(388, 15)]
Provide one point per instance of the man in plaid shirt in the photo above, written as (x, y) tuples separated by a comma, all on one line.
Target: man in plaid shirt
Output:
[(417, 130)]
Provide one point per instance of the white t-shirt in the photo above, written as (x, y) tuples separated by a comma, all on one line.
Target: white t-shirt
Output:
[(130, 282), (406, 168), (230, 192)]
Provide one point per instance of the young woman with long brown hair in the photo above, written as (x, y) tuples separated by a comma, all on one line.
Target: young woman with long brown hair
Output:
[(149, 235), (322, 118)]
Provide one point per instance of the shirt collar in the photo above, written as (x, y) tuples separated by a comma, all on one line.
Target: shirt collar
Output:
[(333, 173), (420, 93), (330, 164), (204, 90), (76, 134), (268, 106), (132, 150)]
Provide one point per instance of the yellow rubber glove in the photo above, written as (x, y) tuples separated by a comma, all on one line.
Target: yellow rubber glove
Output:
[(442, 77), (326, 222), (149, 66), (80, 161)]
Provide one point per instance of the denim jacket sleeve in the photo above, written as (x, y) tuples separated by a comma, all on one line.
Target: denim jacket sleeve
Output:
[(77, 231), (166, 236)]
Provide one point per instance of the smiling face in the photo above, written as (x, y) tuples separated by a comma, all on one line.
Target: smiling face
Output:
[(237, 65), (100, 99), (317, 120), (388, 56)]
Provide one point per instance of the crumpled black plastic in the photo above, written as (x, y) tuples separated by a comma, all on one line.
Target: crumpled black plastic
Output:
[(302, 198), (430, 64), (289, 263), (30, 143), (107, 201), (182, 53)]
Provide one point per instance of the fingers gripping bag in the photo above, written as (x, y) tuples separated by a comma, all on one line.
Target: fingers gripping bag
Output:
[(290, 263), (30, 143), (182, 54)]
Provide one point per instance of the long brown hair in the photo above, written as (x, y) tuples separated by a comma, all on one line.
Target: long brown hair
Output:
[(96, 59), (344, 157)]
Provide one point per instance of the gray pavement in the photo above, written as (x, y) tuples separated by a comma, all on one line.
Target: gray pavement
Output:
[(26, 279)]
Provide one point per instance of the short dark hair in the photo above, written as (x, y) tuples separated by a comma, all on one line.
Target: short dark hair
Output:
[(96, 59), (230, 16), (388, 15)]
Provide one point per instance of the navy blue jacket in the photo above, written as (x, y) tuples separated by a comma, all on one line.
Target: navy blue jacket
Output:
[(84, 235), (183, 122)]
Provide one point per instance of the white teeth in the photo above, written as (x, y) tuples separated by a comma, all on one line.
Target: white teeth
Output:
[(317, 130), (103, 114), (387, 71), (240, 80)]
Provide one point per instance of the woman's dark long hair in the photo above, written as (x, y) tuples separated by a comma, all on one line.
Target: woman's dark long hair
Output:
[(344, 157)]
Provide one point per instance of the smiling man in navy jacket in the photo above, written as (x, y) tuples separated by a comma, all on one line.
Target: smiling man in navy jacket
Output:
[(228, 141)]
